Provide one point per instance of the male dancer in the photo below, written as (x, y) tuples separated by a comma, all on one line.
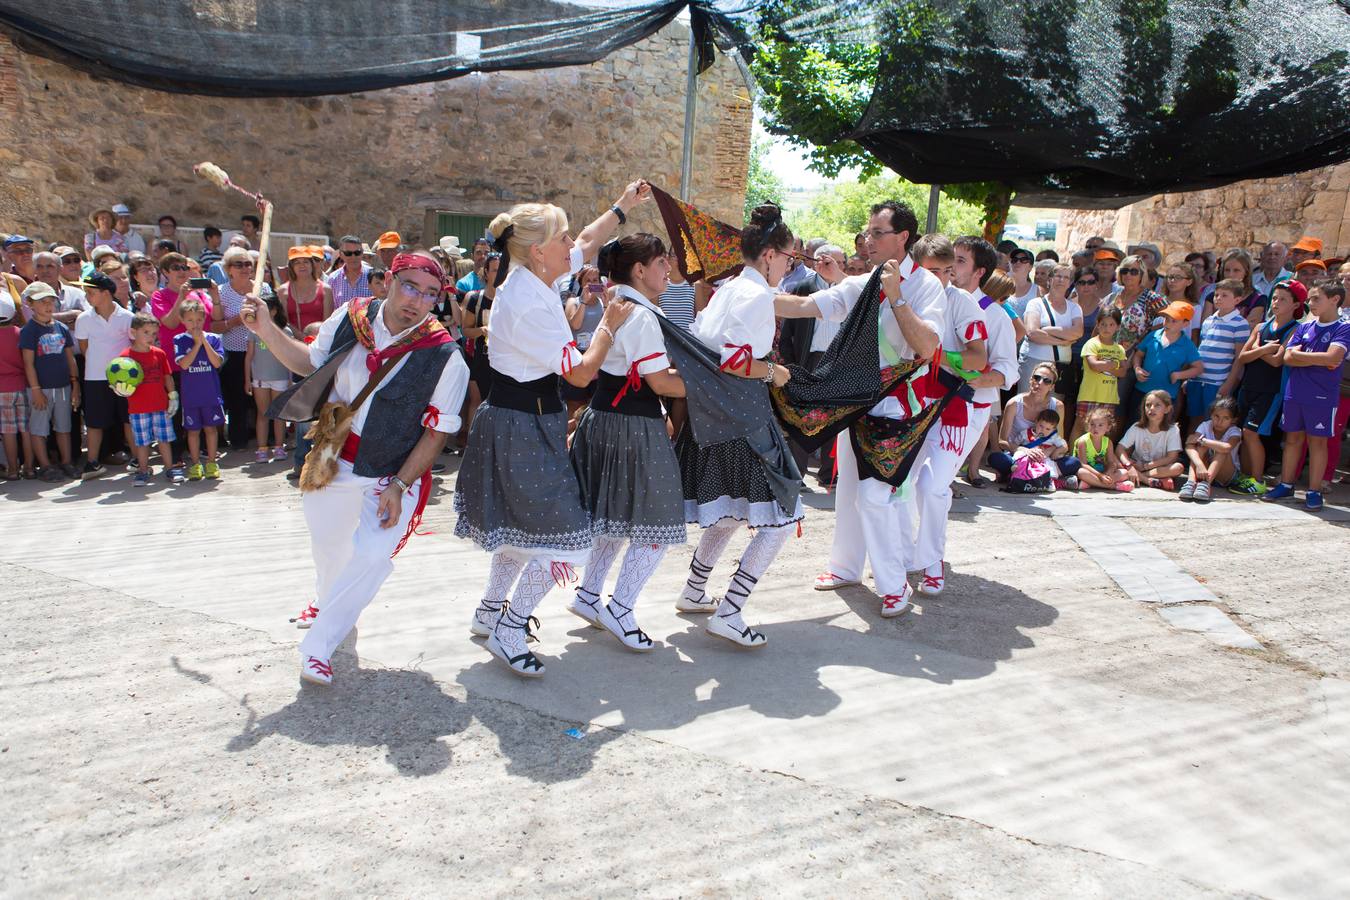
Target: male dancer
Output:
[(911, 319), (361, 518), (976, 260), (966, 339)]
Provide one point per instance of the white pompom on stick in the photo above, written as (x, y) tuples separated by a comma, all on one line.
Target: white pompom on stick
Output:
[(221, 179)]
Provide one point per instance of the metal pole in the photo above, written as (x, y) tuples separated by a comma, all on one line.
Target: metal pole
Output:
[(934, 193), (690, 105)]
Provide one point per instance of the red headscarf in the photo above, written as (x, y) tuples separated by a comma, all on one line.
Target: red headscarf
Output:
[(420, 261)]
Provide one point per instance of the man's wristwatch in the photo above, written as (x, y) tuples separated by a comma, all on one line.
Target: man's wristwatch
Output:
[(402, 485)]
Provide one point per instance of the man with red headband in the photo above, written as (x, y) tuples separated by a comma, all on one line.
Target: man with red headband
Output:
[(394, 365)]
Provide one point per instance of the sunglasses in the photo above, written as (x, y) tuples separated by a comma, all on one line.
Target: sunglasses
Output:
[(1041, 379), (1020, 259), (351, 252), (178, 268), (241, 265), (1085, 282), (1130, 271)]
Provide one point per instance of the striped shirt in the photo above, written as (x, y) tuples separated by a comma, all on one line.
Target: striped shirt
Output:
[(677, 302), (344, 290), (1221, 337)]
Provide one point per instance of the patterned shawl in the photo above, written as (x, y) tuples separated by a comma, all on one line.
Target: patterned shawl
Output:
[(705, 249), (819, 403)]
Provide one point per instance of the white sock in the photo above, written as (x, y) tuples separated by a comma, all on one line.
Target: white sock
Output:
[(639, 564), (501, 575), (759, 554), (710, 546), (604, 551), (535, 582)]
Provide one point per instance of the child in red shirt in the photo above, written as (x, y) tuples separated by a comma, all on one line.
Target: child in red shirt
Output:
[(151, 421), (14, 407)]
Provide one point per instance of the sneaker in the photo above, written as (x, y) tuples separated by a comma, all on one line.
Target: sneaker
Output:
[(316, 671), (828, 581), (1313, 501), (212, 470), (51, 475), (1071, 483), (142, 479), (120, 457), (933, 584), (306, 617), (92, 469), (71, 470), (195, 472), (1245, 484), (1187, 492), (1168, 484), (1203, 490), (279, 454), (261, 455), (1280, 491), (437, 468), (893, 605), (176, 475)]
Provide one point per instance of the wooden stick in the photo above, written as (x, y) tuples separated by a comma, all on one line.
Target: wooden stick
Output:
[(262, 248)]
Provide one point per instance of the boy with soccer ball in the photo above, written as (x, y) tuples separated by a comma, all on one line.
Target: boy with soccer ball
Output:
[(151, 421)]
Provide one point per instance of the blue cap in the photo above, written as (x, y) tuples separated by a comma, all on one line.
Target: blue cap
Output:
[(15, 240)]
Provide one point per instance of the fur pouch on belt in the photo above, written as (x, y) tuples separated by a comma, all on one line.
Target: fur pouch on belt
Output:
[(327, 434)]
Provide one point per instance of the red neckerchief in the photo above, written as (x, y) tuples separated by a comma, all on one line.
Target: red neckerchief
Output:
[(430, 333)]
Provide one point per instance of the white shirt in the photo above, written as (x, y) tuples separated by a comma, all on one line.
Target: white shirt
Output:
[(964, 321), (740, 314), (1150, 446), (72, 298), (1206, 431), (107, 339), (135, 243), (1002, 348), (638, 337), (823, 334), (352, 374), (921, 290), (1040, 312), (528, 333)]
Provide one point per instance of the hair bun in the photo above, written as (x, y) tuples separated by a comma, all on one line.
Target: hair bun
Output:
[(604, 260), (500, 224), (766, 215)]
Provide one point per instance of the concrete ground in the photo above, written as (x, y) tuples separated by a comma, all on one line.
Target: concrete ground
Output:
[(1116, 696)]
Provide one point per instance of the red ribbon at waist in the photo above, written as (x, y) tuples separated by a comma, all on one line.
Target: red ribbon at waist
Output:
[(634, 381), (349, 447), (738, 359)]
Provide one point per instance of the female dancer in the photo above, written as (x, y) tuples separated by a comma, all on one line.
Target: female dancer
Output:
[(725, 484), (630, 480), (517, 496)]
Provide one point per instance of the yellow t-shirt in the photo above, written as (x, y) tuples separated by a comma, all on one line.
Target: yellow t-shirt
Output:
[(1098, 387)]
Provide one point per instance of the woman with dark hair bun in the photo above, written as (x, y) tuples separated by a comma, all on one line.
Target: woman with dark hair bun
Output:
[(726, 484), (630, 480)]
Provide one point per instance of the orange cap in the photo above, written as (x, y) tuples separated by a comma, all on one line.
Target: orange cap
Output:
[(1179, 310), (1308, 244), (1311, 264), (297, 252), (1108, 253), (390, 240)]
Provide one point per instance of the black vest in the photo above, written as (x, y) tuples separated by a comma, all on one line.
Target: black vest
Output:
[(394, 412)]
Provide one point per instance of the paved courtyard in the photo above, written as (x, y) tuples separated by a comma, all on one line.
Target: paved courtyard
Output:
[(1116, 696)]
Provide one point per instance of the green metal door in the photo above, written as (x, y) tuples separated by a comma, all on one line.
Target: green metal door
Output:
[(467, 228)]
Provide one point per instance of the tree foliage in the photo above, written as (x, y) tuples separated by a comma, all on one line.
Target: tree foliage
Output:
[(762, 184), (842, 210)]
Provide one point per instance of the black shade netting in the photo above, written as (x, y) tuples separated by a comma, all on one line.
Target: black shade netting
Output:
[(1113, 99), (258, 48)]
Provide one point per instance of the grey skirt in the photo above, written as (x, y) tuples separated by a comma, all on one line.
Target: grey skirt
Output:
[(630, 480), (516, 489)]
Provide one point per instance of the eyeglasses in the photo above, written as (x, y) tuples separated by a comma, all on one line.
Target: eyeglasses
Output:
[(20, 251), (1041, 379), (1085, 282), (412, 292), (178, 268), (1176, 277), (242, 265), (351, 252), (1130, 271), (877, 234)]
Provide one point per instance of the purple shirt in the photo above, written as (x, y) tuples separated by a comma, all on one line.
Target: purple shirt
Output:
[(199, 381), (1316, 385)]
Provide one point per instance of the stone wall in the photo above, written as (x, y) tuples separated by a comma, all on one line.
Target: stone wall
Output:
[(365, 163), (1246, 214)]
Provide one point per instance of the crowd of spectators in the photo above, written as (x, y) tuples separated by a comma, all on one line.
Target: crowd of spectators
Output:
[(1215, 370)]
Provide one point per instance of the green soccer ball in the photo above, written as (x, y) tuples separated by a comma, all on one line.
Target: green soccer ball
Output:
[(124, 375)]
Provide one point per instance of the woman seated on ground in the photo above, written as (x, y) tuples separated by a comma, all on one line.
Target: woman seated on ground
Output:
[(1019, 424)]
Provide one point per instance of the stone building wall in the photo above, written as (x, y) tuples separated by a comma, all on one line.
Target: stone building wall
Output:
[(1246, 214), (365, 163)]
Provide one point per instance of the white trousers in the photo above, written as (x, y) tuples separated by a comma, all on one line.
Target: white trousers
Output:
[(867, 526), (931, 498), (351, 553)]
